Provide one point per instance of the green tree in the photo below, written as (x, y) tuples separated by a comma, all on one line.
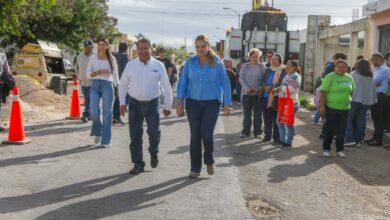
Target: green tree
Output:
[(67, 22)]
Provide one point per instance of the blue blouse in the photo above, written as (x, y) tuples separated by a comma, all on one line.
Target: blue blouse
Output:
[(204, 82)]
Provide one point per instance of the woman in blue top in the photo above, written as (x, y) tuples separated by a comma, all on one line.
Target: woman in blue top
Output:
[(204, 85)]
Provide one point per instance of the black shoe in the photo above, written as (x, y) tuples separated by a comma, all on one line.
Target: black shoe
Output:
[(287, 145), (2, 128), (375, 143), (266, 140), (117, 121), (277, 143), (243, 136), (84, 119), (136, 170), (154, 161)]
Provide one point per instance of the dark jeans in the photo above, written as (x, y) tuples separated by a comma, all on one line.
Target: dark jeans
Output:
[(202, 117), (87, 94), (378, 116), (139, 111), (116, 109), (269, 117), (336, 123), (251, 104), (356, 125)]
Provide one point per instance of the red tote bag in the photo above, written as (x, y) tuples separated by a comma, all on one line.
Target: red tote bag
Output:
[(286, 109)]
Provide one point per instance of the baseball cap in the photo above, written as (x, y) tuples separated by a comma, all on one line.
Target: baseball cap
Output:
[(88, 42)]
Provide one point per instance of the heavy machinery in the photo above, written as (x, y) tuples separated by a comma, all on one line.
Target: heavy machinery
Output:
[(265, 28), (43, 62)]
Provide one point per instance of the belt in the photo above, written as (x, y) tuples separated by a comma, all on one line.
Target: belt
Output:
[(143, 102)]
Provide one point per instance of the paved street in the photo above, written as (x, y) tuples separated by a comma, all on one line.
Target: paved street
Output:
[(61, 175)]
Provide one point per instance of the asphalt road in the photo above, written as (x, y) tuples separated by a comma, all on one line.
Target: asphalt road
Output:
[(61, 175)]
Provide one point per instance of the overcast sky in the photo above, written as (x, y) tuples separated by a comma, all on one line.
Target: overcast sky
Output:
[(170, 21)]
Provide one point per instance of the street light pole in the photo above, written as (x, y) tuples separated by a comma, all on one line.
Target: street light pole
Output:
[(238, 13)]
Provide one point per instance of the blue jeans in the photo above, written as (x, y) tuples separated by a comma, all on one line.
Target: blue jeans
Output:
[(202, 117), (317, 116), (86, 93), (138, 111), (356, 125), (287, 132), (102, 89)]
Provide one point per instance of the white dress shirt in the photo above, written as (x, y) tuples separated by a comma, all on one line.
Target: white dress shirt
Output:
[(143, 82), (96, 64)]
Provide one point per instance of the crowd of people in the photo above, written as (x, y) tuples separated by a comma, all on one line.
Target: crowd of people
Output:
[(206, 84)]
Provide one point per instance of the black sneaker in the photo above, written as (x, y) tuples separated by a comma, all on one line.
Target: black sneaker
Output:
[(287, 145), (266, 140), (277, 143), (136, 170), (84, 119), (375, 143), (117, 121), (154, 161), (243, 136)]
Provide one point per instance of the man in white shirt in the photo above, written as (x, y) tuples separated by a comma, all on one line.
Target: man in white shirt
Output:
[(142, 80), (80, 67)]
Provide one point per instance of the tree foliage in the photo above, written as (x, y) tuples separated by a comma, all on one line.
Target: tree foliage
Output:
[(67, 22)]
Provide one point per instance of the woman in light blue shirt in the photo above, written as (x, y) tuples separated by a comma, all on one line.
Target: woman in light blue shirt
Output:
[(204, 85)]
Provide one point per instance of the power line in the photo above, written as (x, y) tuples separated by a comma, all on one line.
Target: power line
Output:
[(201, 14), (239, 3)]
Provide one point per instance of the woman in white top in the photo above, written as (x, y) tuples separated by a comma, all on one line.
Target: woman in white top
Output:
[(103, 71)]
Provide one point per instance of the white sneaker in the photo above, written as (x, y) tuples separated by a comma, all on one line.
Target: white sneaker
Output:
[(326, 153), (341, 154), (97, 139), (106, 145), (348, 144)]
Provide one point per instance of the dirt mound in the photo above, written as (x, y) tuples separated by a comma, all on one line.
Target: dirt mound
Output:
[(36, 95), (38, 102)]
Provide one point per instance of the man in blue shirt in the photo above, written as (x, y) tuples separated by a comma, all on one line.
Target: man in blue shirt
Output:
[(381, 79)]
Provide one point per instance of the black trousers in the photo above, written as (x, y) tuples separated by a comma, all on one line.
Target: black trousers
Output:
[(336, 123), (271, 129), (387, 113), (251, 104), (378, 116)]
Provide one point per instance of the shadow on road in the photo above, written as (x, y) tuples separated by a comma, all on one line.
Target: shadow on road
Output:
[(37, 158), (30, 201), (120, 202), (368, 165)]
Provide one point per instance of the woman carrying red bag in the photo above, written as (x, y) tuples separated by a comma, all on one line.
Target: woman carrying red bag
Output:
[(289, 89)]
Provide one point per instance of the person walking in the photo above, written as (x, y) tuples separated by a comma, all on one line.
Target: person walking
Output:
[(292, 82), (381, 79), (363, 97), (169, 66), (103, 71), (250, 77), (336, 91), (4, 69), (204, 85), (80, 68), (272, 79), (122, 59), (142, 80)]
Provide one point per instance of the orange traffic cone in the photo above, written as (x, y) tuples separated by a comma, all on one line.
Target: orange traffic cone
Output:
[(16, 133), (75, 112)]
